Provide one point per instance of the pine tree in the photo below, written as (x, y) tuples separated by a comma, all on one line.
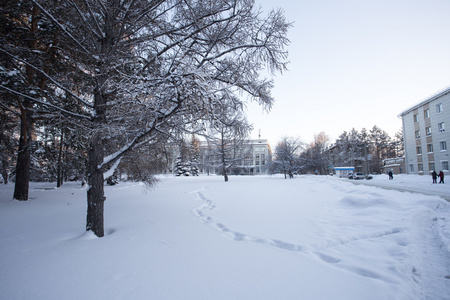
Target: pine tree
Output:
[(183, 164), (182, 168), (195, 155)]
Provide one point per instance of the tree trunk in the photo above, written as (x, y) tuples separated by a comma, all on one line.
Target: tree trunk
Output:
[(225, 175), (95, 193), (26, 123), (5, 170), (23, 157), (224, 164), (59, 175)]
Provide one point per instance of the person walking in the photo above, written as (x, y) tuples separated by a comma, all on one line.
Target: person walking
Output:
[(434, 175), (391, 176), (441, 177)]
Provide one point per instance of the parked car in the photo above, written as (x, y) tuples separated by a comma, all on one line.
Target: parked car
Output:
[(359, 175)]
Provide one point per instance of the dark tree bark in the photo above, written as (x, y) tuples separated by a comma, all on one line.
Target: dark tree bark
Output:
[(5, 171), (23, 157), (95, 193), (26, 121), (60, 161), (224, 160), (7, 141)]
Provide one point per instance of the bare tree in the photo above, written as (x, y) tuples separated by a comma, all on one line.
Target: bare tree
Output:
[(227, 135), (287, 156), (317, 160)]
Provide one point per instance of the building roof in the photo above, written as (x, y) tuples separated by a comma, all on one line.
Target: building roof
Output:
[(344, 168), (393, 165), (423, 102)]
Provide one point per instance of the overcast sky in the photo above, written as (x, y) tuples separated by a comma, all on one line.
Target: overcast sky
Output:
[(355, 64)]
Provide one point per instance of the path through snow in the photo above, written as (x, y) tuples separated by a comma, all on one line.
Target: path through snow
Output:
[(261, 237), (369, 223)]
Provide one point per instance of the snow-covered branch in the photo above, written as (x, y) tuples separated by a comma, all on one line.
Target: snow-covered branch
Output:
[(45, 103), (43, 73)]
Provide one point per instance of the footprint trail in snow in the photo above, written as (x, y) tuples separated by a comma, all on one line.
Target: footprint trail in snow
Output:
[(239, 236), (235, 235)]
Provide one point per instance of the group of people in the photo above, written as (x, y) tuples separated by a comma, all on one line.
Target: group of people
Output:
[(435, 176)]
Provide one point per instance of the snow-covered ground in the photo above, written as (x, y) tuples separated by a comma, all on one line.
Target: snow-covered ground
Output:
[(262, 237), (410, 183)]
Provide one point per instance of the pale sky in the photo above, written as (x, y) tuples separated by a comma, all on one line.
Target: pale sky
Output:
[(355, 64)]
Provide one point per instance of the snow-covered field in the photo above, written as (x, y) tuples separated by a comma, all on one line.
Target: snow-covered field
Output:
[(262, 237)]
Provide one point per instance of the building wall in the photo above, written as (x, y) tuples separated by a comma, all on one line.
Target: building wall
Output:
[(251, 158), (261, 156), (423, 140), (396, 165)]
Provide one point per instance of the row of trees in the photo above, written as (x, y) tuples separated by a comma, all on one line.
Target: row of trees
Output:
[(370, 146), (109, 82)]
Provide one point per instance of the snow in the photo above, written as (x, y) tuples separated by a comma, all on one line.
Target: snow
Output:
[(259, 237), (110, 172)]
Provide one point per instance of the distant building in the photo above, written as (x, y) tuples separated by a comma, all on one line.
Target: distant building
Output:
[(342, 172), (425, 137), (359, 161), (396, 165), (250, 158)]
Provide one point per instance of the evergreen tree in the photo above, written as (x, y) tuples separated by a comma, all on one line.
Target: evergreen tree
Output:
[(195, 156), (183, 164), (8, 143), (397, 147)]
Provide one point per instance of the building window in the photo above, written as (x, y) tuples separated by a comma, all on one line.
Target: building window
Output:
[(426, 113), (441, 127), (420, 167), (439, 108), (419, 150), (430, 148), (431, 166), (444, 164), (443, 145), (428, 130), (416, 118), (411, 168), (417, 134)]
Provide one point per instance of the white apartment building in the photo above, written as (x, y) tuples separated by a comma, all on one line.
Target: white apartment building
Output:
[(260, 155), (251, 158), (425, 136)]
